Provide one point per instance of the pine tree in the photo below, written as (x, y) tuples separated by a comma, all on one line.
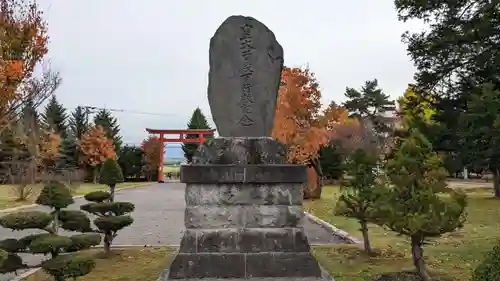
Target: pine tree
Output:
[(197, 121), (110, 125), (55, 117), (418, 204), (78, 125), (360, 192), (78, 122)]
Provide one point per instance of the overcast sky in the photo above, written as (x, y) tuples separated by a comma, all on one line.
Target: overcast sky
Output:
[(152, 55)]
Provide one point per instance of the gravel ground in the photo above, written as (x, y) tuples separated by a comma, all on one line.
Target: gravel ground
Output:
[(159, 219)]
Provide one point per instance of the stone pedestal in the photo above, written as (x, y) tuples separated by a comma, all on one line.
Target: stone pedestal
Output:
[(243, 220)]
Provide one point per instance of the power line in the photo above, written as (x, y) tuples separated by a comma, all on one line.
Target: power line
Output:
[(94, 109)]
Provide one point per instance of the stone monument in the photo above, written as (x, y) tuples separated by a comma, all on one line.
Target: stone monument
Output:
[(243, 200)]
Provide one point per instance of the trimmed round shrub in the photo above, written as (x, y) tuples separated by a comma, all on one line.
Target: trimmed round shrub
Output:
[(97, 196), (26, 240), (489, 268), (49, 244), (3, 256), (26, 220), (74, 220), (113, 223), (122, 208), (11, 263), (69, 266), (11, 245), (97, 208), (84, 241), (111, 173), (117, 208), (56, 195)]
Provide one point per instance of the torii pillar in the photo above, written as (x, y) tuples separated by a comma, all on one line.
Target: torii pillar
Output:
[(182, 139)]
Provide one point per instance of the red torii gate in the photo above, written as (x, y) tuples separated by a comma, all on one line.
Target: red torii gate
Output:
[(182, 138)]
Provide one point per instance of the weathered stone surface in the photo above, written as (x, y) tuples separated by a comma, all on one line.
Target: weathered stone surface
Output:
[(220, 240), (207, 265), (244, 194), (272, 216), (246, 265), (241, 151), (244, 240), (281, 265), (189, 241), (251, 216), (206, 216), (245, 73), (222, 174)]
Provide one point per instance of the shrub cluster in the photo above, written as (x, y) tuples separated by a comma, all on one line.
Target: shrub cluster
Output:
[(65, 260)]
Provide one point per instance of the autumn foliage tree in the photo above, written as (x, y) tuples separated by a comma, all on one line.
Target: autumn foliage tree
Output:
[(96, 148), (23, 45), (151, 147), (300, 123)]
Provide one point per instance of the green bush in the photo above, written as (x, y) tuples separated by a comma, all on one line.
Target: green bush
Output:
[(55, 195), (3, 256), (69, 266), (26, 240), (113, 223), (11, 245), (26, 220), (12, 263), (489, 269), (61, 266), (101, 209), (75, 220), (83, 241), (97, 196), (111, 216), (111, 173), (49, 244)]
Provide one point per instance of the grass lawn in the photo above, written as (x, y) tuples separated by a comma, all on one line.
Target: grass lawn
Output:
[(144, 264), (171, 169), (455, 254), (8, 198)]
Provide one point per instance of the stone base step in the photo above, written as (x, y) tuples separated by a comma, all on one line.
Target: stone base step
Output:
[(244, 265), (325, 276)]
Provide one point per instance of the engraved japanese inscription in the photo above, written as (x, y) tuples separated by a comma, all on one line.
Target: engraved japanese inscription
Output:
[(245, 73)]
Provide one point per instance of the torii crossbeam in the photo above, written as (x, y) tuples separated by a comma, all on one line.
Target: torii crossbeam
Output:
[(182, 138)]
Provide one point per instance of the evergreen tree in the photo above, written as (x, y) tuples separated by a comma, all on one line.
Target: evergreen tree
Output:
[(371, 105), (110, 125), (78, 122), (64, 261), (197, 121), (480, 133), (111, 216), (417, 203), (331, 160), (360, 192), (55, 117), (130, 159), (78, 125)]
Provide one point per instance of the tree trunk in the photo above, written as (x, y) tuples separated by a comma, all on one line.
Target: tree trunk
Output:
[(366, 239), (55, 222), (496, 182), (112, 192), (311, 189), (107, 243), (418, 258), (94, 176)]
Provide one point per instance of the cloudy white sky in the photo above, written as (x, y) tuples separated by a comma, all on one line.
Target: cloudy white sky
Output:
[(152, 55)]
